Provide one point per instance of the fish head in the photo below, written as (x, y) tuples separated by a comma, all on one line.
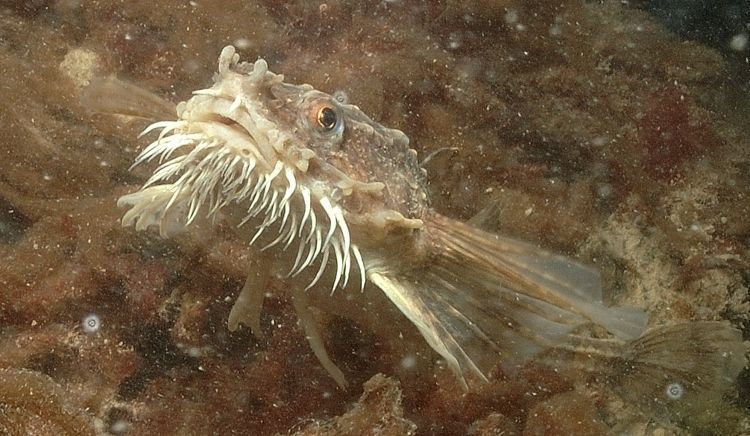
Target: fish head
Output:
[(328, 146), (271, 153)]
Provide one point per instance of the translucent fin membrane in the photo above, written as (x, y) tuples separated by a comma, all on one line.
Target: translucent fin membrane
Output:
[(481, 300), (677, 372)]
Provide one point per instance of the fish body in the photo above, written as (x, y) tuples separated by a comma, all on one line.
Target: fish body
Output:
[(333, 195)]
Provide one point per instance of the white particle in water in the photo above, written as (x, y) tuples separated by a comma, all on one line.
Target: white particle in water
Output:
[(511, 17), (242, 43), (341, 96), (600, 141), (119, 427), (409, 361), (555, 30), (454, 41), (91, 323), (604, 190), (739, 42), (674, 391)]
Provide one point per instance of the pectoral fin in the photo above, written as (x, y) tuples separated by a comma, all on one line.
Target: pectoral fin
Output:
[(481, 300)]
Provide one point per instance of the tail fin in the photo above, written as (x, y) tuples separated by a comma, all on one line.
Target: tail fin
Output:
[(674, 372), (480, 299)]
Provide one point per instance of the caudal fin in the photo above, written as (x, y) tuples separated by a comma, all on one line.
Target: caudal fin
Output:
[(676, 372), (480, 299)]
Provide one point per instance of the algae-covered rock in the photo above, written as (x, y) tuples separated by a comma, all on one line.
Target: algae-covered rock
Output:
[(378, 412), (33, 404)]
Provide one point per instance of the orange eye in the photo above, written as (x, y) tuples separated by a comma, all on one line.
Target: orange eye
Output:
[(327, 117)]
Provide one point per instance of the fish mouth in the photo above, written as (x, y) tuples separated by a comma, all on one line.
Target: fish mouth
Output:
[(232, 126), (222, 148)]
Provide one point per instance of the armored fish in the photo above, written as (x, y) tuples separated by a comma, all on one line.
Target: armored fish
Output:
[(337, 200)]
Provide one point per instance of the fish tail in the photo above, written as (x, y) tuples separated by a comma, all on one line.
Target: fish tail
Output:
[(676, 371), (480, 299), (674, 374)]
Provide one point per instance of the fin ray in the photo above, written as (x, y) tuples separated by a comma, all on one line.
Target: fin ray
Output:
[(481, 300), (476, 329), (673, 372), (531, 271)]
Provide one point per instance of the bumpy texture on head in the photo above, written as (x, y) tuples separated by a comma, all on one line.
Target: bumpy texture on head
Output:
[(291, 158)]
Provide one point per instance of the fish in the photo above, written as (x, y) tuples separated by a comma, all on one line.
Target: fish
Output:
[(336, 200)]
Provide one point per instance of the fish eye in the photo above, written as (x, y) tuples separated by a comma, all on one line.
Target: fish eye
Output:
[(324, 116), (327, 117)]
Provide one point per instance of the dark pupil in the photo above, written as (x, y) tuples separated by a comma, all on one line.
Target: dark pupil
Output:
[(327, 118)]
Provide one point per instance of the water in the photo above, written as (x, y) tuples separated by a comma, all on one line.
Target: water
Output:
[(517, 96)]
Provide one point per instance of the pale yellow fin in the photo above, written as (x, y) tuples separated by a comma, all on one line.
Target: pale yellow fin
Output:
[(249, 304), (530, 271), (315, 338), (481, 300), (475, 328)]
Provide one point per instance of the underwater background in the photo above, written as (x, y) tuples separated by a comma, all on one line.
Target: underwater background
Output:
[(615, 132)]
